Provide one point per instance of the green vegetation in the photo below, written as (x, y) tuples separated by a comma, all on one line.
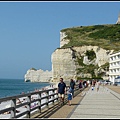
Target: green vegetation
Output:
[(104, 36), (33, 69), (91, 54), (86, 68), (111, 33), (80, 78), (105, 66), (80, 61)]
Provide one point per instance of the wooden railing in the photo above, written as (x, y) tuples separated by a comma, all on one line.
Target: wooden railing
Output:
[(51, 96)]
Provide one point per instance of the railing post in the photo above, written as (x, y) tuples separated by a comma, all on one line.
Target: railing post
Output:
[(39, 101), (47, 94), (28, 106), (56, 96), (53, 97), (13, 112), (76, 91)]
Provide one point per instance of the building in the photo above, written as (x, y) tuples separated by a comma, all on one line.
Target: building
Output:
[(114, 66)]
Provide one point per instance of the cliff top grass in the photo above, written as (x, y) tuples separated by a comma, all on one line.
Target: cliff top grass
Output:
[(105, 36)]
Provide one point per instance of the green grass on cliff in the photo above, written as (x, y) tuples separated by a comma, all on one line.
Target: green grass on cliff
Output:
[(104, 36)]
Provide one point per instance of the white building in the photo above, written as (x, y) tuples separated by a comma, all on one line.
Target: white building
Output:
[(114, 66)]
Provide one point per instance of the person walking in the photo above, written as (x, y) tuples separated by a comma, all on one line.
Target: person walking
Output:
[(69, 93), (72, 86), (88, 82), (97, 85), (93, 84), (84, 83), (61, 90), (80, 85)]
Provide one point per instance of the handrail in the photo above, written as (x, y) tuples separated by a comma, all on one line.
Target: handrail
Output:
[(51, 96)]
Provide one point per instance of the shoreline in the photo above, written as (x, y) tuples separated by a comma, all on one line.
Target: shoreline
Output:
[(14, 91)]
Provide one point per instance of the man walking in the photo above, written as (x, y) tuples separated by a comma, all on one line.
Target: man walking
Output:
[(72, 86), (61, 90)]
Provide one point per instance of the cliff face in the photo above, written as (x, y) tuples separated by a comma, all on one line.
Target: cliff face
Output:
[(62, 64), (38, 75), (66, 61)]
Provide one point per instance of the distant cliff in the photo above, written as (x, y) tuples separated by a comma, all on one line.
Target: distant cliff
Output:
[(34, 75)]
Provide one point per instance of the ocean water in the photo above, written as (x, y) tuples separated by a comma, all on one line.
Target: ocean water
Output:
[(11, 87)]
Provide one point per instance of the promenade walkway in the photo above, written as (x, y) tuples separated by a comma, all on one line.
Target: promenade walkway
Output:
[(92, 104)]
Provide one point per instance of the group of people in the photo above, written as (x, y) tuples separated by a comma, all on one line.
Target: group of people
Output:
[(90, 83), (62, 90), (95, 83), (83, 84)]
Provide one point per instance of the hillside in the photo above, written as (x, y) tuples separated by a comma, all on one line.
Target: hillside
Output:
[(104, 36)]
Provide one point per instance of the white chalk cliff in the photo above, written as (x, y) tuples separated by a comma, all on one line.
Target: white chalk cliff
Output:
[(38, 75), (64, 60)]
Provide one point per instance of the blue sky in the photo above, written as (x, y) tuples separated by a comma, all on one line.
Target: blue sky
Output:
[(30, 31)]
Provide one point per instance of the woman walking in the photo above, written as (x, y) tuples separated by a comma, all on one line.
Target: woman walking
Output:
[(97, 85)]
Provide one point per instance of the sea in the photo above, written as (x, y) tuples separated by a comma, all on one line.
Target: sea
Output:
[(12, 87)]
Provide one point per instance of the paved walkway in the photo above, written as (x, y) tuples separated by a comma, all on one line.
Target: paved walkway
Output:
[(66, 110), (92, 104)]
